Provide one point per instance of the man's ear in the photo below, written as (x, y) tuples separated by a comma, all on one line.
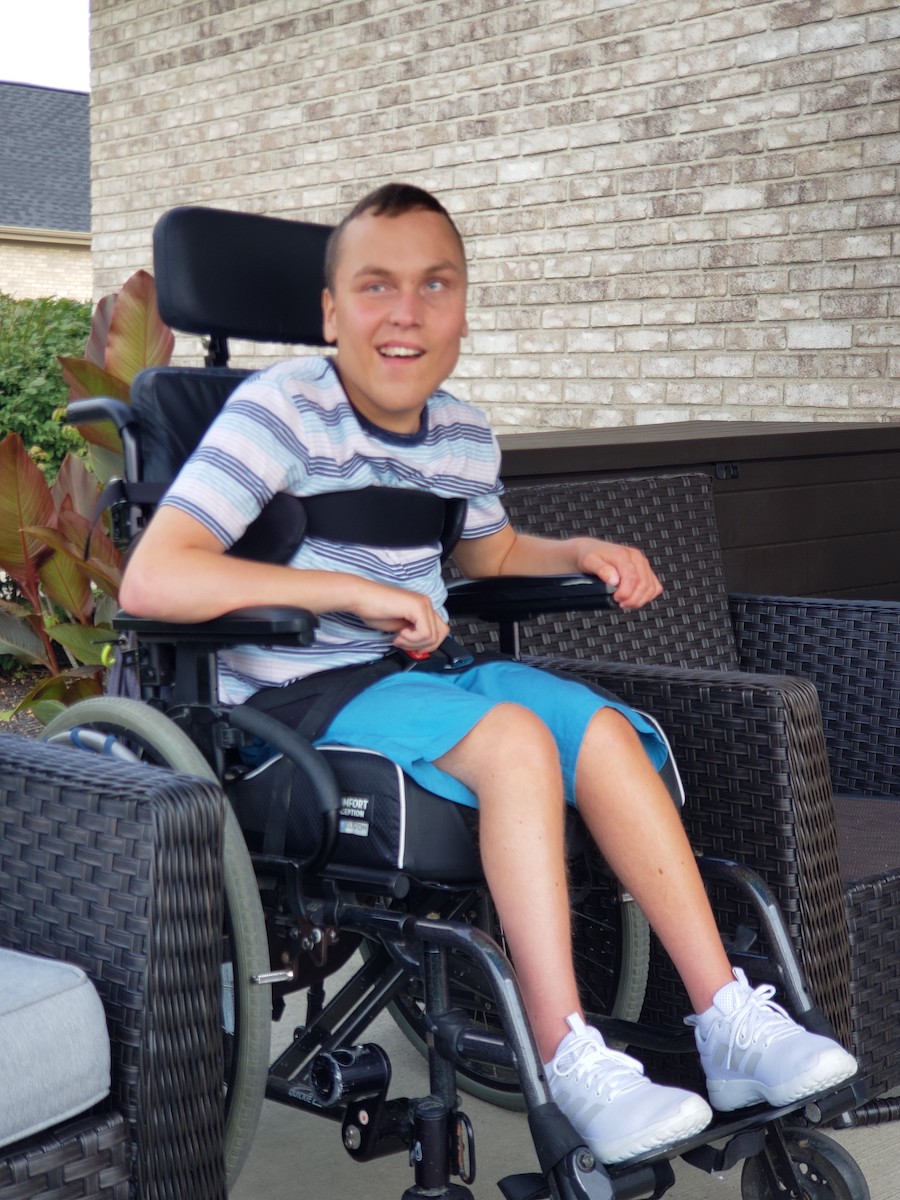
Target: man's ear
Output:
[(328, 328)]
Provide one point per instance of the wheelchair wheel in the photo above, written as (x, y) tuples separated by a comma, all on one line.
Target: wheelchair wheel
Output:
[(828, 1172), (142, 733), (611, 941)]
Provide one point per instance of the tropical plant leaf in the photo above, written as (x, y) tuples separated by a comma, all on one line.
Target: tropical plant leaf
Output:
[(105, 463), (67, 586), (13, 610), (25, 500), (49, 696), (84, 642), (18, 638), (105, 563), (86, 378), (45, 710), (95, 350), (138, 337), (78, 483)]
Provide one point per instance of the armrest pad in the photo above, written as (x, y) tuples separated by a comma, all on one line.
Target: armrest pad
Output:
[(516, 597), (263, 624), (100, 408)]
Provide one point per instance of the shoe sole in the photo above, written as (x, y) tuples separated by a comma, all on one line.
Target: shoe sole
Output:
[(695, 1120), (726, 1095)]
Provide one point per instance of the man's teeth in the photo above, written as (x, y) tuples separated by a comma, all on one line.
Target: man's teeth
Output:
[(399, 352)]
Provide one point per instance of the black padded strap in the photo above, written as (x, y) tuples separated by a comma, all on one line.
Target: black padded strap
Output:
[(371, 516), (378, 516)]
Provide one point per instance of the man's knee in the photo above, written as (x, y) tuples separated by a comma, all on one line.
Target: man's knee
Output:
[(611, 726), (510, 736), (518, 728)]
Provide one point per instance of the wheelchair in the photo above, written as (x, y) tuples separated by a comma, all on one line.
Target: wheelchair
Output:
[(315, 883)]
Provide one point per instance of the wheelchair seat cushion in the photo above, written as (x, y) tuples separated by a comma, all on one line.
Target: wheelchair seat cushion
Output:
[(54, 1045), (387, 822)]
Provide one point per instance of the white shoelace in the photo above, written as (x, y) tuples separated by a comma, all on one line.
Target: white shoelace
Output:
[(758, 1017), (618, 1072)]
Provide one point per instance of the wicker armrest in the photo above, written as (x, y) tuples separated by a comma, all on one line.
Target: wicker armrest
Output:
[(848, 649), (118, 868), (751, 754)]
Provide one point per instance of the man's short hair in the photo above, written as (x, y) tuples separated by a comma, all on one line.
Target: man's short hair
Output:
[(389, 200)]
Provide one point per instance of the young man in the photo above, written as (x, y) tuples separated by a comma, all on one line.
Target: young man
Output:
[(513, 741)]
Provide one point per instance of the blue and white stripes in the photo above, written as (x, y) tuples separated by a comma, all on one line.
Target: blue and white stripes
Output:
[(292, 429)]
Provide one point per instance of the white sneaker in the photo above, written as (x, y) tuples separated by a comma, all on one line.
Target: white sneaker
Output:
[(609, 1102), (752, 1051)]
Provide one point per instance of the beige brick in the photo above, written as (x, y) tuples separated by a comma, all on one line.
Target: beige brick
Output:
[(722, 176)]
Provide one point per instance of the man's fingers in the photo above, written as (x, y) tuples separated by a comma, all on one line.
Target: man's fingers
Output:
[(627, 570)]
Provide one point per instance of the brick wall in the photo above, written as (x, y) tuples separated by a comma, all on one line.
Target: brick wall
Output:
[(674, 210), (35, 269)]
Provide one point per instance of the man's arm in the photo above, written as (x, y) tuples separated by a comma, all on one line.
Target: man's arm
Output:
[(510, 553), (178, 571)]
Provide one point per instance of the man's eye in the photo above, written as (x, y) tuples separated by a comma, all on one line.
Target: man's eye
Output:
[(435, 285)]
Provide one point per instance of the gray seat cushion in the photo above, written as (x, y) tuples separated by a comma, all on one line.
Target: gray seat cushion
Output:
[(54, 1045)]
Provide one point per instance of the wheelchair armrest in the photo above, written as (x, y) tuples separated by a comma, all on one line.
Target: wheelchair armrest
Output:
[(517, 597), (265, 625), (100, 408)]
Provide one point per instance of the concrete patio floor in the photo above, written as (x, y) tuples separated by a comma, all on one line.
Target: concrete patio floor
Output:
[(300, 1157)]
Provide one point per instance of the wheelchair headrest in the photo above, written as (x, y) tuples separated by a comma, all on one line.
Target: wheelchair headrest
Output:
[(228, 274)]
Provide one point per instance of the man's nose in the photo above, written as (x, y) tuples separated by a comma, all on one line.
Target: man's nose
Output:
[(407, 307)]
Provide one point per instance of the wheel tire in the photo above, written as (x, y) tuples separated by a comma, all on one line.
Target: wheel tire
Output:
[(150, 736), (612, 950), (828, 1171)]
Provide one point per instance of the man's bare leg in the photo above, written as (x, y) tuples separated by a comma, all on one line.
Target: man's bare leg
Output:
[(636, 825), (510, 761)]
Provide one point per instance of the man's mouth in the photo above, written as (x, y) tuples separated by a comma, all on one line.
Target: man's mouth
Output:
[(400, 352)]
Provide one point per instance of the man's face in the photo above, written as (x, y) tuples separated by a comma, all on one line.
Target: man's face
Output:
[(397, 313)]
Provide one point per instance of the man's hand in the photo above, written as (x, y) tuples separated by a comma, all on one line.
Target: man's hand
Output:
[(624, 567), (510, 553), (409, 615)]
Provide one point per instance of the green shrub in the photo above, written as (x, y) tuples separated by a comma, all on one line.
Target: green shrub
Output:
[(32, 389)]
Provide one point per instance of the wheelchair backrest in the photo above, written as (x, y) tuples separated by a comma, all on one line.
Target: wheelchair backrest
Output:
[(174, 406), (222, 275), (225, 274)]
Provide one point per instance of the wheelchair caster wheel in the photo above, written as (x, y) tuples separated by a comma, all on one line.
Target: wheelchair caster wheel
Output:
[(822, 1168)]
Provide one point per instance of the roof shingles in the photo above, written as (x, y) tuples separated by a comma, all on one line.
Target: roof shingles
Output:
[(44, 158)]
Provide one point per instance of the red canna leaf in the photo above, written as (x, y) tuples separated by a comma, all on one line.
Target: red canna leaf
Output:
[(95, 350), (75, 481), (25, 500), (138, 337)]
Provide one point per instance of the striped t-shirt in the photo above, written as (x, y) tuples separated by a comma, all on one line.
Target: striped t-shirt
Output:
[(292, 429)]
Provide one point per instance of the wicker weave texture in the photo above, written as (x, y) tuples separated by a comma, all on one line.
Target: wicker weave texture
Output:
[(752, 746), (849, 649), (84, 1158), (671, 519), (118, 868)]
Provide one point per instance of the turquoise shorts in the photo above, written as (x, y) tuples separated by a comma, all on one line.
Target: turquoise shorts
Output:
[(415, 717)]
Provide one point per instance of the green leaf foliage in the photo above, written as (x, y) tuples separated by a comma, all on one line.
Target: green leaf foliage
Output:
[(62, 571), (33, 333)]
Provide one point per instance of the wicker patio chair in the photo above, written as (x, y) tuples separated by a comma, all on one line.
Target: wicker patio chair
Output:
[(117, 868), (784, 715)]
